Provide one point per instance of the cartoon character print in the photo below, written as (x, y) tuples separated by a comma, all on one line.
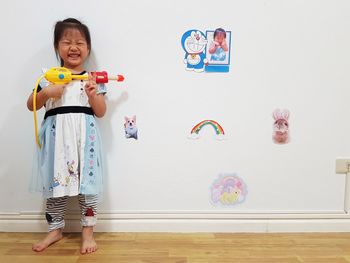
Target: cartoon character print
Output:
[(73, 173), (281, 126), (194, 44), (58, 180), (130, 127)]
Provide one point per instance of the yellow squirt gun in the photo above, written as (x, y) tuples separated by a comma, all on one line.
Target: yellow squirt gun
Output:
[(60, 76)]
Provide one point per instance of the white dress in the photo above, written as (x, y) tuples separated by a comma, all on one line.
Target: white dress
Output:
[(70, 160)]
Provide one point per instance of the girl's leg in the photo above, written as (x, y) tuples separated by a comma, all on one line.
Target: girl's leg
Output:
[(55, 211), (88, 209)]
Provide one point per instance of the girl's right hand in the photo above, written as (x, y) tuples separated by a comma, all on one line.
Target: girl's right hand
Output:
[(54, 91)]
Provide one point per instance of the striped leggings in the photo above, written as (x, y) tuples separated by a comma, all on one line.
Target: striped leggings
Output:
[(56, 208)]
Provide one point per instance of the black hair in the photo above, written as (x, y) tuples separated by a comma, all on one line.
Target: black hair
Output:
[(219, 30), (68, 23)]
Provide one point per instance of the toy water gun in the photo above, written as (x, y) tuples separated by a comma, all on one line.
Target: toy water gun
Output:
[(61, 75)]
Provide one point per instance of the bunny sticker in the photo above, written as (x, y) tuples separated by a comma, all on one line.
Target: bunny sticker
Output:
[(281, 126)]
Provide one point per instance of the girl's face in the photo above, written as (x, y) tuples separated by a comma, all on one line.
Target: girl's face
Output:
[(73, 49), (219, 37)]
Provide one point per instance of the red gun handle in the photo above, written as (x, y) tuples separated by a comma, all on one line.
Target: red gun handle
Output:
[(101, 77)]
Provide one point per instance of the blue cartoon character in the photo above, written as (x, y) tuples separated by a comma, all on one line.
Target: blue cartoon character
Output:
[(194, 44), (130, 127)]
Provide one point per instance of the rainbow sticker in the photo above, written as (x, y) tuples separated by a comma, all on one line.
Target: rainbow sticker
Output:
[(228, 190), (219, 131)]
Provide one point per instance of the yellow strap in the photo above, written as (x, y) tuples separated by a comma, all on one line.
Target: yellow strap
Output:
[(34, 111)]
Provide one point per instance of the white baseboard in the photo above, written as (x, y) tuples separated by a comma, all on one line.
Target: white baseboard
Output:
[(255, 223)]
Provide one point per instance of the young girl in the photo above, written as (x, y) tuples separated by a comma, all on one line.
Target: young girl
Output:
[(69, 162), (218, 46)]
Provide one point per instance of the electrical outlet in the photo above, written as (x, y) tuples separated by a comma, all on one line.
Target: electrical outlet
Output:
[(342, 165)]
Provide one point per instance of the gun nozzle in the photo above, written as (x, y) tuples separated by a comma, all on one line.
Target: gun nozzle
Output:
[(120, 78)]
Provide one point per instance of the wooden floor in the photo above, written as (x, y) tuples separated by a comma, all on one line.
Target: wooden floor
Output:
[(183, 248)]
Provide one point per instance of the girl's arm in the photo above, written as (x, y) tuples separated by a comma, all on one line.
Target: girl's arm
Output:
[(224, 46), (98, 105), (213, 47), (51, 91), (97, 101)]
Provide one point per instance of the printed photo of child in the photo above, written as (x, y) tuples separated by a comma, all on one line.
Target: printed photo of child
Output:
[(218, 50), (218, 46)]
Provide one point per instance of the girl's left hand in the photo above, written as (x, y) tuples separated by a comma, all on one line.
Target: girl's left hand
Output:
[(224, 45), (91, 85)]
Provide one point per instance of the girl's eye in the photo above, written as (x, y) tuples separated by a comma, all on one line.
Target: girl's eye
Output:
[(65, 42)]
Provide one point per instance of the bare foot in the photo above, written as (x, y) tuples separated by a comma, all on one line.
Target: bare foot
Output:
[(88, 244), (50, 238)]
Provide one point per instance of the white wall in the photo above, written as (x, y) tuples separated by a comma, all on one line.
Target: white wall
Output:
[(289, 54)]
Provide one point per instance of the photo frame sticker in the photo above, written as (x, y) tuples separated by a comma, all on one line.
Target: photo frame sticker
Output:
[(209, 52), (218, 50)]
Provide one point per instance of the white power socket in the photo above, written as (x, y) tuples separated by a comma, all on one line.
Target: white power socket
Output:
[(342, 165)]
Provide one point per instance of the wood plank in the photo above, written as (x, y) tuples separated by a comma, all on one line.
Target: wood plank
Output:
[(183, 248)]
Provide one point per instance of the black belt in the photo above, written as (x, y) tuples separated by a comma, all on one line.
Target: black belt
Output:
[(69, 109)]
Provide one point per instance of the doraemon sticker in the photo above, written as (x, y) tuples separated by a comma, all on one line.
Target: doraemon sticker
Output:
[(194, 43), (228, 190), (208, 52)]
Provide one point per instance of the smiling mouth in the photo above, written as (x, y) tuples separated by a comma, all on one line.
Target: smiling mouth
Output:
[(195, 46), (74, 55)]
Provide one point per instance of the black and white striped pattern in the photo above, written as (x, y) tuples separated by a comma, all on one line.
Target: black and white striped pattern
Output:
[(56, 208)]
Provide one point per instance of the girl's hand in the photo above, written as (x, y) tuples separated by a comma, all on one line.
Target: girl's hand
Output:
[(97, 102), (224, 45), (91, 86), (54, 91), (213, 46)]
